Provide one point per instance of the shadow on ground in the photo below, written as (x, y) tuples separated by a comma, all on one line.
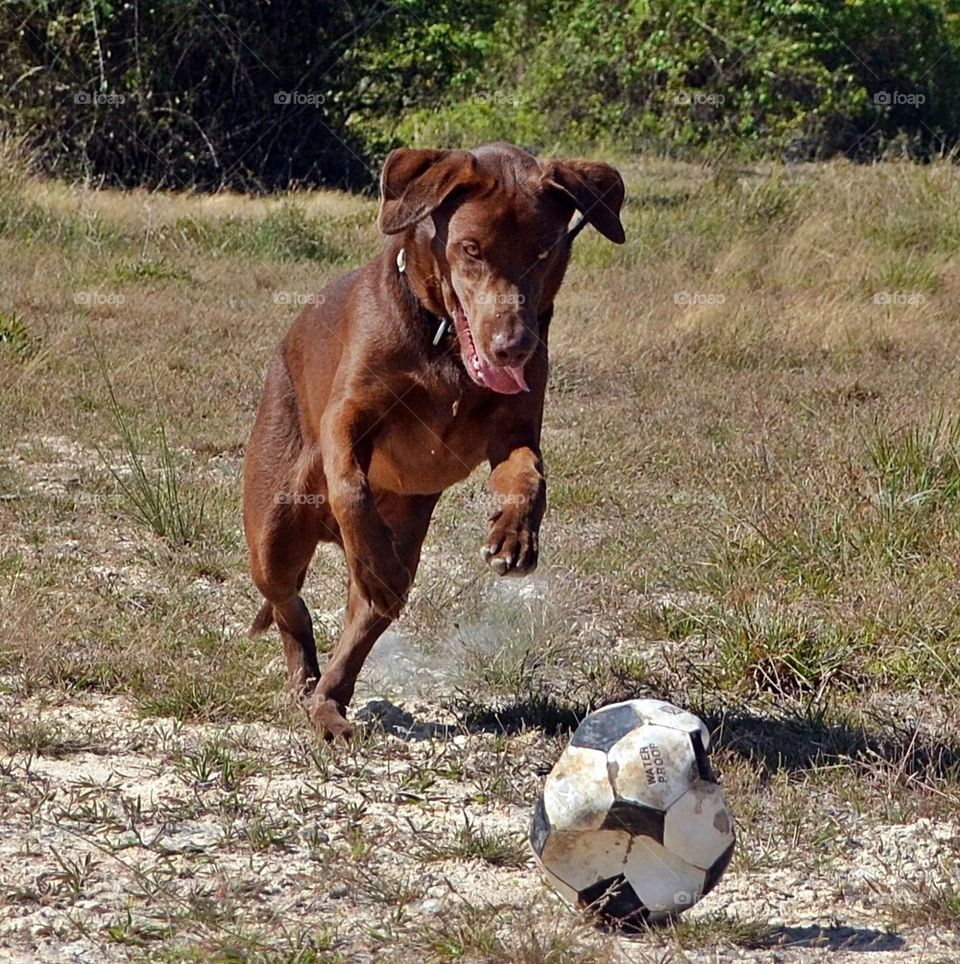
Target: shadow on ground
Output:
[(539, 714), (835, 938), (798, 743), (772, 744), (809, 936)]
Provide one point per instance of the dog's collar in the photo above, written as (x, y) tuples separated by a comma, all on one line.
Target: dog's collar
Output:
[(577, 228), (443, 324)]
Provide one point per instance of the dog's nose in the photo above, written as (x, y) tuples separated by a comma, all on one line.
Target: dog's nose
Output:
[(511, 350)]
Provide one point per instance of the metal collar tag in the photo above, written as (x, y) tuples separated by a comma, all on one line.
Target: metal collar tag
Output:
[(442, 329)]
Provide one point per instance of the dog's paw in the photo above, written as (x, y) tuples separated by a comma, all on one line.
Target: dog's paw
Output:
[(329, 717), (512, 546)]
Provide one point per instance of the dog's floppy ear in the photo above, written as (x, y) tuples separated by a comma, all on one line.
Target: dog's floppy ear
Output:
[(415, 183), (596, 190)]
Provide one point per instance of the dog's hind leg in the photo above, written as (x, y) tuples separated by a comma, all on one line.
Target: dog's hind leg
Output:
[(408, 518), (285, 515)]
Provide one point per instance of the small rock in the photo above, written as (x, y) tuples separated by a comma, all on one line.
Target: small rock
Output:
[(190, 839)]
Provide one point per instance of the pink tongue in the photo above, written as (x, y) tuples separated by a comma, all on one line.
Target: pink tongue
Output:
[(507, 381)]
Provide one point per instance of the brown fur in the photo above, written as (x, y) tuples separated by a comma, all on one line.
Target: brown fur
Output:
[(364, 422)]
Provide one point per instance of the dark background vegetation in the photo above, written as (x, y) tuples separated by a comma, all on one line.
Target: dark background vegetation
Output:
[(188, 88)]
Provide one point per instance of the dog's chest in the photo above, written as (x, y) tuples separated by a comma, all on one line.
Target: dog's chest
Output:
[(428, 443)]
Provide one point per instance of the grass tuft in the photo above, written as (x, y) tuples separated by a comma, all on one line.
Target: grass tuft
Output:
[(286, 234), (691, 932), (15, 337), (935, 905), (917, 467), (154, 497), (470, 842), (150, 270)]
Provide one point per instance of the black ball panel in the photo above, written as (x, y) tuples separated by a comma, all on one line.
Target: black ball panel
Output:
[(600, 730), (539, 828), (703, 761), (614, 900), (716, 869), (636, 819)]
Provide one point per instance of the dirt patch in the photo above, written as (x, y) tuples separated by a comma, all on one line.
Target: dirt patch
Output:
[(120, 834)]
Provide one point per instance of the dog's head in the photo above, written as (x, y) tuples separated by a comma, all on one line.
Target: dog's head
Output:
[(496, 221)]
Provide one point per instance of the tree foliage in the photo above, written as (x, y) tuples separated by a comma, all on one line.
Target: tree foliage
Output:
[(258, 94)]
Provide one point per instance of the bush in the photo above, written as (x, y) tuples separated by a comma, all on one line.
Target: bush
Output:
[(250, 95), (800, 80), (173, 94)]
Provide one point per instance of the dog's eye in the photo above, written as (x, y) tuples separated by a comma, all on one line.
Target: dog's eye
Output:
[(544, 254), (471, 249)]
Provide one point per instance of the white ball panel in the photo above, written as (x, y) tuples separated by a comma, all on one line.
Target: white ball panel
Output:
[(663, 882), (698, 827), (666, 714), (653, 765), (577, 793), (581, 859), (567, 892)]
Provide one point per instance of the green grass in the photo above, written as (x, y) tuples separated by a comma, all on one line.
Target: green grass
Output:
[(934, 905), (722, 930), (15, 337), (474, 843), (754, 511), (287, 234), (759, 651), (474, 932), (150, 481), (918, 466), (150, 270), (33, 223)]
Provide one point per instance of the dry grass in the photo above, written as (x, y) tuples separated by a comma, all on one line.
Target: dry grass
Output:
[(752, 442)]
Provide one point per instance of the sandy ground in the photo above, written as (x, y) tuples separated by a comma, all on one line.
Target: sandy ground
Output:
[(116, 830)]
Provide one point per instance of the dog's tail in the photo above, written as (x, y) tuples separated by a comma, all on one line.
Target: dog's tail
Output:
[(263, 621)]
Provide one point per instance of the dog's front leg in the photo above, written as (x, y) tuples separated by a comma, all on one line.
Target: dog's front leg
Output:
[(520, 490), (376, 569)]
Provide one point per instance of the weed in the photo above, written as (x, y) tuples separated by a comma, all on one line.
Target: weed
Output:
[(15, 337), (150, 270), (472, 843), (154, 497)]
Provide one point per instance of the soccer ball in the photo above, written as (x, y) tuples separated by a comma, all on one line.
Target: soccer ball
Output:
[(631, 822)]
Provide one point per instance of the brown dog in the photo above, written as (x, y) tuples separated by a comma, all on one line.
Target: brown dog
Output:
[(404, 376)]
